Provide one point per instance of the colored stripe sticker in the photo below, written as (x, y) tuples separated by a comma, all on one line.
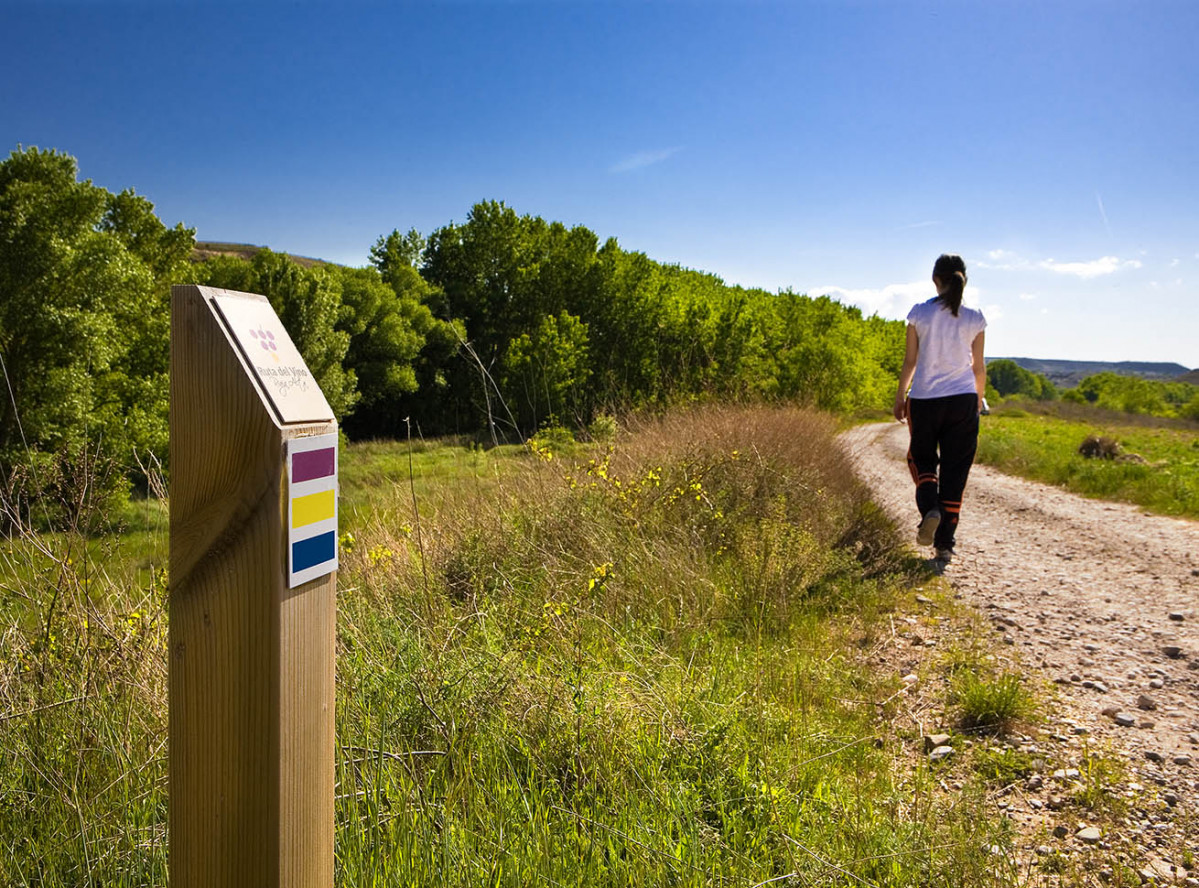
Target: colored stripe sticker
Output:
[(313, 508), (308, 465), (313, 551)]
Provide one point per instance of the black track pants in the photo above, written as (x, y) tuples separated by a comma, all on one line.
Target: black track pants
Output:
[(945, 437)]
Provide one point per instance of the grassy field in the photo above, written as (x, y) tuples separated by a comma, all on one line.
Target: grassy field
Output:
[(639, 664), (1165, 478)]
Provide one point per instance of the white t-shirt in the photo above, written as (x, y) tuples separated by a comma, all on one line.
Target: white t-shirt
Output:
[(945, 365)]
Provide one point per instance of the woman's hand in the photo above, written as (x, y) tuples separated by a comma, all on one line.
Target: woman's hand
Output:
[(900, 410)]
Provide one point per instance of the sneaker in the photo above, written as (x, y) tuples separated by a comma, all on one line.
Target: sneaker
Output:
[(944, 555), (928, 527)]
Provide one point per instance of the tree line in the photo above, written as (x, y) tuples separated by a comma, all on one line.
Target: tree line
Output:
[(498, 325), (1106, 391)]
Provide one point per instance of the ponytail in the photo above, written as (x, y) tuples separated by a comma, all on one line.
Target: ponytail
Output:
[(950, 270)]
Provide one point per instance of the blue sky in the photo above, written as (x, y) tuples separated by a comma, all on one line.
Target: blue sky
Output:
[(827, 147)]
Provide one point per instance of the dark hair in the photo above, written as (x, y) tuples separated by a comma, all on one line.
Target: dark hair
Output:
[(951, 271)]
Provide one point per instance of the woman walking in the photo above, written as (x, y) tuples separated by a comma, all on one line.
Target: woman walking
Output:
[(943, 364)]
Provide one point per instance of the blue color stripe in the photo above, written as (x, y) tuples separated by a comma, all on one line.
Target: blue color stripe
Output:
[(312, 551)]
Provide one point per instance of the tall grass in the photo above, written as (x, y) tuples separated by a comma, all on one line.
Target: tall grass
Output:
[(636, 664)]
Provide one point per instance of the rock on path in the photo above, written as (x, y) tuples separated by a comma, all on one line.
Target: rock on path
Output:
[(1098, 597)]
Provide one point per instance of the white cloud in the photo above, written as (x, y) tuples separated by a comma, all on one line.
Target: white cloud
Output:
[(1173, 263), (1094, 268), (1028, 297), (929, 224), (642, 159), (892, 301), (1003, 260), (993, 312)]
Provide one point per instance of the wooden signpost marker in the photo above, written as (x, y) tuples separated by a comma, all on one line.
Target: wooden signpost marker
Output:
[(252, 600)]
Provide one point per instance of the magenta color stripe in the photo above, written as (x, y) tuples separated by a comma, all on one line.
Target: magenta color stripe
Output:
[(311, 464)]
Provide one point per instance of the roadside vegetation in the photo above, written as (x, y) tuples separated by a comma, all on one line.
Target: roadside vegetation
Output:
[(1155, 463), (641, 662)]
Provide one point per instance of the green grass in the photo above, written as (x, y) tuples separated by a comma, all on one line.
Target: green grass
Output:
[(1044, 448), (637, 664), (990, 703)]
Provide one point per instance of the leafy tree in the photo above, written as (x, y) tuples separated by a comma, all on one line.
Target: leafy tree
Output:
[(546, 371), (395, 252), (84, 278), (1010, 379), (398, 349)]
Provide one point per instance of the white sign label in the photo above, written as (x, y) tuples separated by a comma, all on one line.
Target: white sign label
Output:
[(311, 508), (276, 361)]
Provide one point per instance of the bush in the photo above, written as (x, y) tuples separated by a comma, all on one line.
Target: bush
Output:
[(1098, 446)]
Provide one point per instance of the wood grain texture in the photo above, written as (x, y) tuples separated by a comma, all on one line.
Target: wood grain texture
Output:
[(252, 662)]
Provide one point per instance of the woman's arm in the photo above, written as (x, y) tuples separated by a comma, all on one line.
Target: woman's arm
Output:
[(980, 368), (911, 353)]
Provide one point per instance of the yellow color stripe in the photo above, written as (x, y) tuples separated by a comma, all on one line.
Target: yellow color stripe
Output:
[(312, 508)]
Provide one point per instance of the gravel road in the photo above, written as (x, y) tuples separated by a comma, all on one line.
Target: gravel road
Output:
[(1100, 598)]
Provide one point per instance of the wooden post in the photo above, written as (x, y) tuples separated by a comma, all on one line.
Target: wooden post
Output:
[(251, 668)]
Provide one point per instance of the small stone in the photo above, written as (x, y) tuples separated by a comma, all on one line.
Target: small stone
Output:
[(1111, 711), (1183, 760), (1172, 651), (1035, 782), (1089, 835), (1156, 684), (1177, 617), (1144, 701), (1054, 803), (1158, 872), (1079, 730), (1154, 756), (1044, 850), (1060, 832), (1170, 799), (932, 741), (1124, 720), (940, 753), (910, 679), (1146, 724), (920, 599)]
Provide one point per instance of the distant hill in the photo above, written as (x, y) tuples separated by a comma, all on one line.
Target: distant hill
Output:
[(1192, 377), (208, 249), (1067, 374)]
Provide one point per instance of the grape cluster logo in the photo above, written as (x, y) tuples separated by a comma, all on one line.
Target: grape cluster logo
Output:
[(266, 339)]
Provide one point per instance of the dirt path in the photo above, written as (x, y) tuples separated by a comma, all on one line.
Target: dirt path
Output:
[(1098, 597)]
